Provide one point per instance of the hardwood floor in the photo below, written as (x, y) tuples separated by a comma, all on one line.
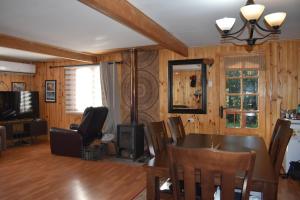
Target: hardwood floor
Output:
[(32, 172), (288, 189)]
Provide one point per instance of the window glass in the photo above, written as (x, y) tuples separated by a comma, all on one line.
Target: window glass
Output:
[(82, 88), (242, 98), (233, 85)]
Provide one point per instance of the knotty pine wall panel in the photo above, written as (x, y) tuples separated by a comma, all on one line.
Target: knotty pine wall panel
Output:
[(8, 77), (55, 113), (281, 81), (183, 93), (282, 84)]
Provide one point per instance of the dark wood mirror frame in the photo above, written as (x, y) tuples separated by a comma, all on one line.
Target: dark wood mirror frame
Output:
[(171, 108)]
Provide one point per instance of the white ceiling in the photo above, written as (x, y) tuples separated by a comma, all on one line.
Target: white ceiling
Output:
[(193, 21), (65, 23), (71, 24)]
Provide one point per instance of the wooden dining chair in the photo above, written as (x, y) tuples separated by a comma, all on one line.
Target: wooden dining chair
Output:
[(279, 122), (279, 143), (176, 128), (157, 134), (204, 165)]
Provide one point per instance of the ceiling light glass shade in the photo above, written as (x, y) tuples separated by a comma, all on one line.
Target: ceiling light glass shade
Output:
[(253, 11), (275, 19), (225, 24)]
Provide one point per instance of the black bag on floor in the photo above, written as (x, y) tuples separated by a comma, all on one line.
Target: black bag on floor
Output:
[(294, 170)]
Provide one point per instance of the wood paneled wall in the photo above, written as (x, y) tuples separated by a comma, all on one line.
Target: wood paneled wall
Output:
[(183, 92), (282, 74), (55, 113), (6, 78), (282, 84)]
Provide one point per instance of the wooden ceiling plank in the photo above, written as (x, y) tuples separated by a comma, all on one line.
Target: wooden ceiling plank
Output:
[(25, 45), (125, 13)]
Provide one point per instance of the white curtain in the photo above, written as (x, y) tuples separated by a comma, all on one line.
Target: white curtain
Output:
[(110, 96)]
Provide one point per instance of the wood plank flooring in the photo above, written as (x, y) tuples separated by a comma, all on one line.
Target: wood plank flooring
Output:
[(32, 172)]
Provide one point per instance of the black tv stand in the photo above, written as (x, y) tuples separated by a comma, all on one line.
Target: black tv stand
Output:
[(20, 129)]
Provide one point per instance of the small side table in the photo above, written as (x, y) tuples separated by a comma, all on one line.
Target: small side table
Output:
[(2, 138), (36, 128)]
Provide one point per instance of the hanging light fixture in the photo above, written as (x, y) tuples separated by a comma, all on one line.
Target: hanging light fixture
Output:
[(252, 13)]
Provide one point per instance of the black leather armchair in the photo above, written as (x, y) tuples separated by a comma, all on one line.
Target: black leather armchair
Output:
[(68, 142)]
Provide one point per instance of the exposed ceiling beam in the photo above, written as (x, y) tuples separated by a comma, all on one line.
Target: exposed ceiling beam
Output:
[(119, 50), (25, 45), (13, 59), (125, 13)]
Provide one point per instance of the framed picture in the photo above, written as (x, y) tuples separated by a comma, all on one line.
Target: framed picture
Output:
[(18, 86), (50, 91)]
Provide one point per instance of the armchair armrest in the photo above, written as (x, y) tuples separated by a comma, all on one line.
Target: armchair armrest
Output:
[(74, 126), (65, 142)]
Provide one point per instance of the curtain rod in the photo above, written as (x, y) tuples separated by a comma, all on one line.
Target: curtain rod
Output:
[(84, 65)]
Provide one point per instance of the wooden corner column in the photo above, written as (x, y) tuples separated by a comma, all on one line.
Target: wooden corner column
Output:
[(133, 85)]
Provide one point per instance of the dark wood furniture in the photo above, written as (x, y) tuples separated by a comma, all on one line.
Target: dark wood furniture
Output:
[(157, 137), (36, 127), (264, 179), (17, 130), (176, 128), (279, 122), (2, 138), (208, 164), (130, 140), (280, 139)]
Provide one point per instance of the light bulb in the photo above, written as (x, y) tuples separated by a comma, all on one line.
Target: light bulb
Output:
[(275, 19), (252, 11), (225, 24)]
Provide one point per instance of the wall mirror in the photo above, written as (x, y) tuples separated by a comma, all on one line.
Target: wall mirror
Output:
[(187, 86)]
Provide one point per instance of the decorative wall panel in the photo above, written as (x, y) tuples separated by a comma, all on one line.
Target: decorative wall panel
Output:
[(148, 86)]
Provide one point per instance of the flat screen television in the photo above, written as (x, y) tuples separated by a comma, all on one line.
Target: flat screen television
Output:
[(18, 105)]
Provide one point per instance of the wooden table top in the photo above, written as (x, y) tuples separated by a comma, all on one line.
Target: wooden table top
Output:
[(263, 169)]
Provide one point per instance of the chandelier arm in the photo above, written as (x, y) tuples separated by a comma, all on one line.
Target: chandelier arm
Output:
[(230, 36), (263, 29), (260, 38), (238, 31)]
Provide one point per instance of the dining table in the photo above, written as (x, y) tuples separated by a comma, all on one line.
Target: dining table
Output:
[(264, 179)]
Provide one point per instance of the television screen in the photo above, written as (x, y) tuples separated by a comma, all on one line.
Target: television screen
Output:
[(19, 105)]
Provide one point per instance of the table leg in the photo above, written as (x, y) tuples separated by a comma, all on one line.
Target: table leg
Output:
[(152, 185), (270, 191)]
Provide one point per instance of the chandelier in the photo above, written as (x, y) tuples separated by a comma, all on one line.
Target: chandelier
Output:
[(252, 13)]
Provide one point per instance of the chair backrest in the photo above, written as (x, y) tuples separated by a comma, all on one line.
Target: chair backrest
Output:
[(157, 133), (176, 128), (279, 145), (92, 124), (279, 122), (86, 111), (207, 166)]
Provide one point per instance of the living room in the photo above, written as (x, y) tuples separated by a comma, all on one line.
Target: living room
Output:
[(130, 56)]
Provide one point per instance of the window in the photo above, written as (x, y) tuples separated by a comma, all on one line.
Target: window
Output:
[(242, 98), (82, 88)]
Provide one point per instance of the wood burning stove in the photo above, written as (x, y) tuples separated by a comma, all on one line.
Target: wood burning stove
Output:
[(130, 140)]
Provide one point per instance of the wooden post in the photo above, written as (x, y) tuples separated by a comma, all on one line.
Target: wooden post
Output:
[(133, 85)]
